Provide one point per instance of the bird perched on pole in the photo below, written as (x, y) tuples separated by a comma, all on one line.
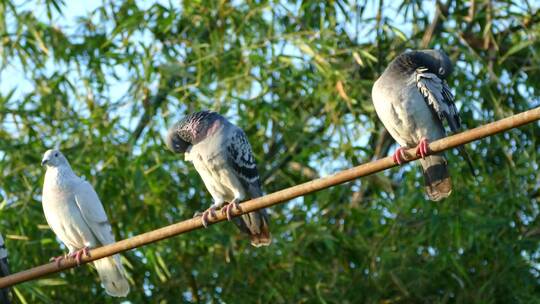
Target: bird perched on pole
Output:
[(4, 271), (412, 99), (222, 156), (75, 213)]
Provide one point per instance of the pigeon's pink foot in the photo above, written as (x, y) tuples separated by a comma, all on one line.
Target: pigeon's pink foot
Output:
[(204, 218), (422, 149), (58, 260), (399, 156), (228, 209), (79, 253)]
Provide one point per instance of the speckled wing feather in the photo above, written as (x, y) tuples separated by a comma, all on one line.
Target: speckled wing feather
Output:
[(240, 158), (438, 96)]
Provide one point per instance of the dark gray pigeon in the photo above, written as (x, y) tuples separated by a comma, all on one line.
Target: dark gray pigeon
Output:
[(4, 271), (412, 99), (222, 156)]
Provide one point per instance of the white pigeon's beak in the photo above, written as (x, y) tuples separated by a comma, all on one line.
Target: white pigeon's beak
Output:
[(44, 162)]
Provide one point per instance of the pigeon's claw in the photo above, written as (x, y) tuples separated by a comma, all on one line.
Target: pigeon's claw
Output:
[(399, 156), (58, 260), (228, 209), (79, 253), (422, 149), (204, 218)]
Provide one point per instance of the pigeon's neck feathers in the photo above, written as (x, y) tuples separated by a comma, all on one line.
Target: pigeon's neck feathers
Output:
[(60, 176)]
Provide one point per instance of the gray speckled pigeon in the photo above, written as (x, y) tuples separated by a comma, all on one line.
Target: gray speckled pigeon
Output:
[(412, 99), (4, 271), (75, 213), (222, 156)]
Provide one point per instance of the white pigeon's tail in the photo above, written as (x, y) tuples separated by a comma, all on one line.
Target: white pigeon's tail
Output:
[(111, 274)]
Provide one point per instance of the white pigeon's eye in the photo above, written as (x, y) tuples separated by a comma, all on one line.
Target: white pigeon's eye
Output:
[(441, 71), (55, 154)]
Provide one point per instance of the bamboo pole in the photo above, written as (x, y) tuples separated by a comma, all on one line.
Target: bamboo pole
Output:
[(277, 197)]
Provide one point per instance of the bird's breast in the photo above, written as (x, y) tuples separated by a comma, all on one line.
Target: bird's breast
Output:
[(404, 113), (213, 169)]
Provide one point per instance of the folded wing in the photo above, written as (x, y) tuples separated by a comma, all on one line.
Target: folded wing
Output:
[(438, 96), (93, 213), (241, 161)]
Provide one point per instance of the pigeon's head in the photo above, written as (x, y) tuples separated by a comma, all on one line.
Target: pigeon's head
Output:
[(436, 61), (53, 158), (191, 130), (176, 141)]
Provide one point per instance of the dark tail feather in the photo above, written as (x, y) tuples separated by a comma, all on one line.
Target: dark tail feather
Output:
[(4, 271), (463, 151), (437, 179), (256, 225)]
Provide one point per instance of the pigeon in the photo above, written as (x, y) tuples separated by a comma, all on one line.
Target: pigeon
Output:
[(75, 214), (412, 99), (222, 156), (4, 271)]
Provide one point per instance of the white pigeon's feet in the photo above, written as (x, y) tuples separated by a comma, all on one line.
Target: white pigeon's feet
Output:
[(228, 209), (58, 260), (77, 255), (399, 156), (210, 211), (422, 149)]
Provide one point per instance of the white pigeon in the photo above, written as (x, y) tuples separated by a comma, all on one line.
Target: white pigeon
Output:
[(222, 156), (75, 213)]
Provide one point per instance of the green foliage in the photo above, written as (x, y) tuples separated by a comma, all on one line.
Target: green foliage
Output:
[(297, 76)]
